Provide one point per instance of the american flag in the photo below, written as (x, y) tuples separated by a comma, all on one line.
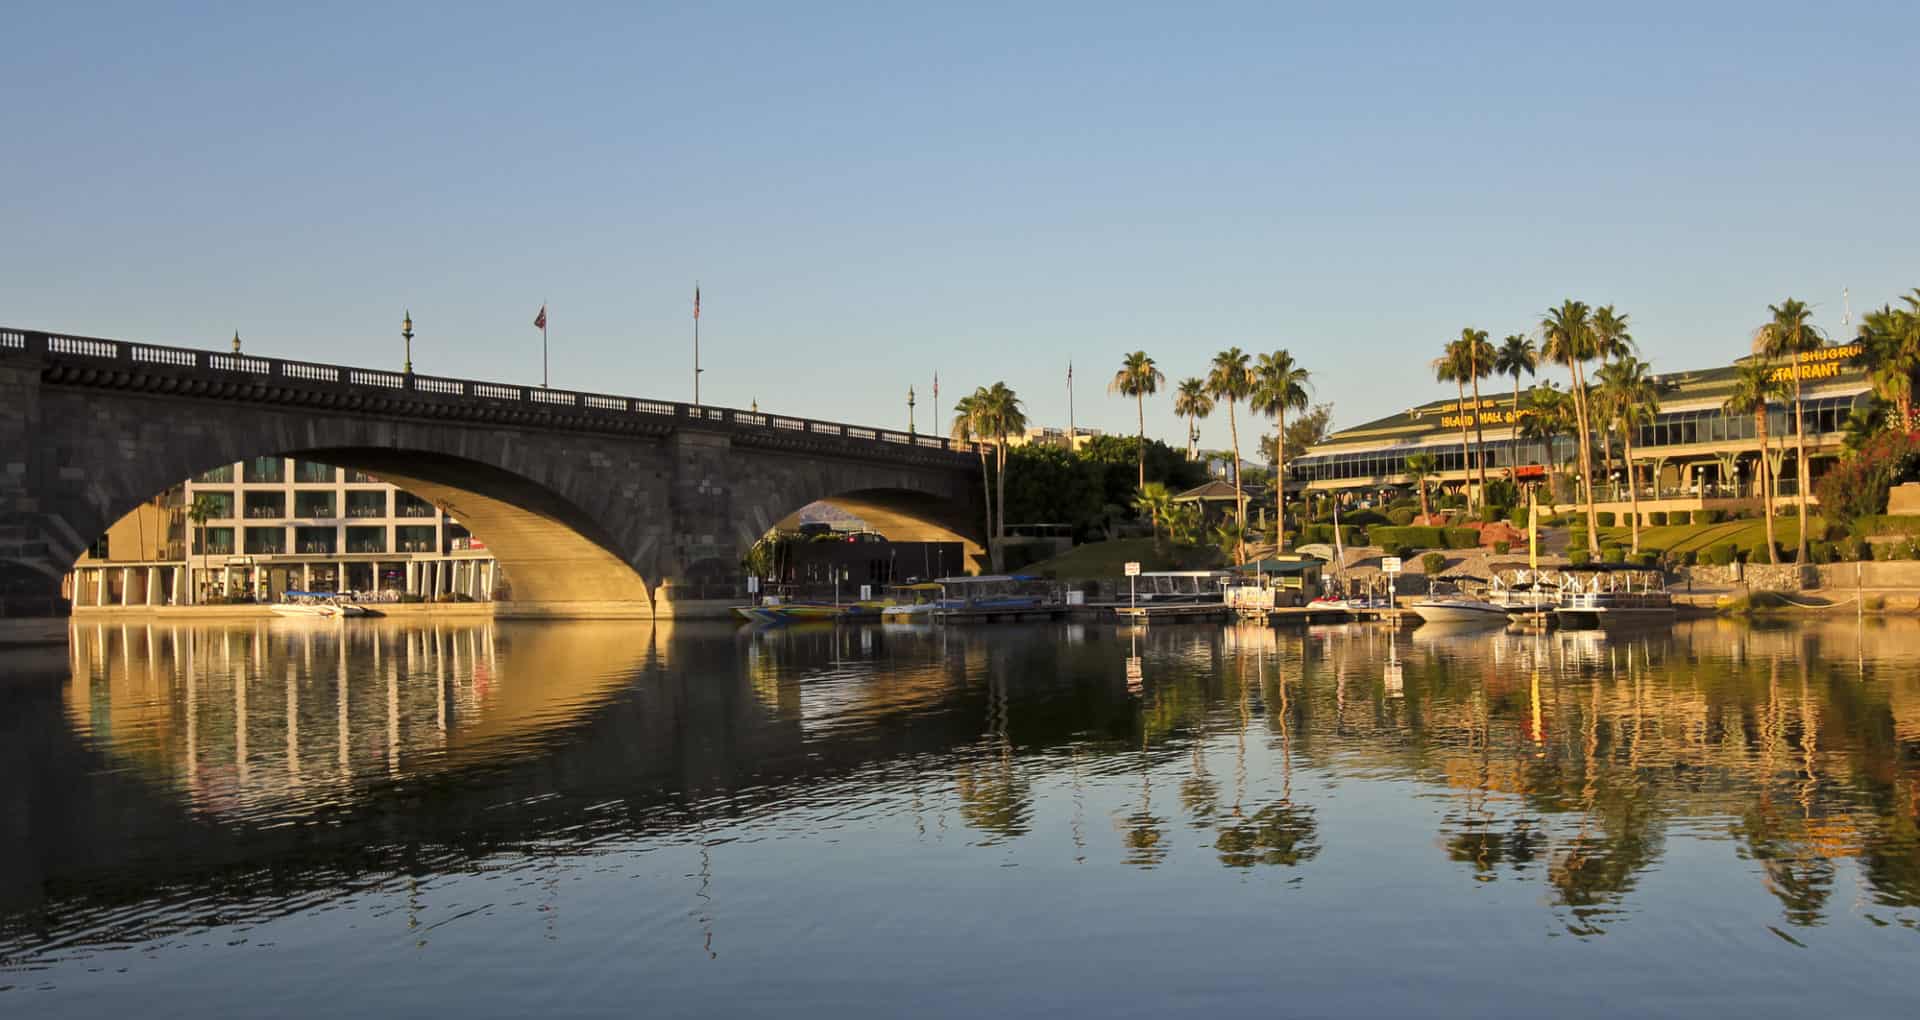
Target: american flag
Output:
[(540, 321)]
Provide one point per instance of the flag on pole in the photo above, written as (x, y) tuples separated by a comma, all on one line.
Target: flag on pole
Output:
[(540, 321), (696, 300)]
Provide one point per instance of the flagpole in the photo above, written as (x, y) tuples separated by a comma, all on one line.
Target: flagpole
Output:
[(544, 380), (696, 343), (1073, 434)]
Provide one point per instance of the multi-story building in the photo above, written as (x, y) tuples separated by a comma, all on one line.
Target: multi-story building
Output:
[(278, 523), (1693, 454), (1056, 437)]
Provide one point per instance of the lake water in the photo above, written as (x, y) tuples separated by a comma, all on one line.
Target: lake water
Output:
[(506, 819)]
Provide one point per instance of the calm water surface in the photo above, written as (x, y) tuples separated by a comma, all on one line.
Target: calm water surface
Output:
[(500, 819)]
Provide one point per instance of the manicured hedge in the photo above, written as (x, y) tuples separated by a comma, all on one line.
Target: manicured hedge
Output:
[(1460, 538), (1518, 518), (1579, 557), (1719, 554), (1418, 536), (1401, 516), (1502, 546), (1851, 548), (1679, 517), (1646, 558), (1605, 517), (1433, 562), (1613, 554), (1711, 516), (1886, 524)]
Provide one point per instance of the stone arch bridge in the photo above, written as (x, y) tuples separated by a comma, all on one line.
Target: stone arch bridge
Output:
[(587, 500)]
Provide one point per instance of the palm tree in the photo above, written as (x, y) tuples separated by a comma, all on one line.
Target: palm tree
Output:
[(1755, 386), (1567, 334), (1632, 399), (968, 419), (1229, 379), (1480, 355), (1192, 402), (1789, 334), (1279, 385), (1549, 414), (1156, 501), (1891, 339), (199, 512), (1453, 366), (1003, 418), (1139, 379), (1611, 342), (1515, 355), (1420, 467)]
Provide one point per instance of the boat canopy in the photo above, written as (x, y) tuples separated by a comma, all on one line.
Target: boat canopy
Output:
[(989, 579), (1271, 566)]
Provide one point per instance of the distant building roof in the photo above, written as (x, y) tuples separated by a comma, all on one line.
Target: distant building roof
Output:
[(1213, 490)]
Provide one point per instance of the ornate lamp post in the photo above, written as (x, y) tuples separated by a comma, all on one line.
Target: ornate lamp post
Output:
[(406, 333), (910, 429), (236, 341)]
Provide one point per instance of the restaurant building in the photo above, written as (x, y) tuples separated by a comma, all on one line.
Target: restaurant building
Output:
[(1691, 455)]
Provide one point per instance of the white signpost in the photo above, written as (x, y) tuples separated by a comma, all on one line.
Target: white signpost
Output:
[(1390, 566), (1133, 591)]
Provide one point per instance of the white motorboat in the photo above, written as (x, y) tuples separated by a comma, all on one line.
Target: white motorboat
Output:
[(1457, 609), (315, 605)]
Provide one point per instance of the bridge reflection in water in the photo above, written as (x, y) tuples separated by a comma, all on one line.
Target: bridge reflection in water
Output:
[(179, 780)]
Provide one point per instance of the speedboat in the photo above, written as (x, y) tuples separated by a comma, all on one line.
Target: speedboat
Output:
[(909, 603), (314, 604), (1456, 606), (1457, 609)]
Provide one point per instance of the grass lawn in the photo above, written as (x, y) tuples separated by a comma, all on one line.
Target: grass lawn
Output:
[(1108, 559), (1750, 536)]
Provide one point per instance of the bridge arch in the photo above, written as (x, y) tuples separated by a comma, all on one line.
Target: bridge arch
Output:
[(583, 498)]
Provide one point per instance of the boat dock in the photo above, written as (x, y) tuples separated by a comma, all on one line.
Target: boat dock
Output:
[(1172, 612)]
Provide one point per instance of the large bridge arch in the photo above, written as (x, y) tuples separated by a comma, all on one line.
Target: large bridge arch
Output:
[(584, 499)]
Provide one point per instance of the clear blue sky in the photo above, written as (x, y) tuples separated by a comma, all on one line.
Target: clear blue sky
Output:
[(870, 193)]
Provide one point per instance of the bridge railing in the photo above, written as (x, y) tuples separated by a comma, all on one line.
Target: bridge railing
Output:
[(94, 350)]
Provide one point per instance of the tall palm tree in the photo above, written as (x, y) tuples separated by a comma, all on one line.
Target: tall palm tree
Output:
[(1479, 355), (1279, 385), (1192, 402), (1138, 378), (1632, 399), (1755, 387), (1516, 355), (1611, 342), (1003, 418), (199, 512), (1789, 334), (1567, 338), (1420, 467), (968, 427), (1452, 366), (1229, 379)]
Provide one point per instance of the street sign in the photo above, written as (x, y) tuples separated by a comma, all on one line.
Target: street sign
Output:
[(1133, 568), (866, 593), (1389, 564), (753, 584)]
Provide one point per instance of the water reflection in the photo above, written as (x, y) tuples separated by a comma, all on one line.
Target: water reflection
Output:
[(179, 779)]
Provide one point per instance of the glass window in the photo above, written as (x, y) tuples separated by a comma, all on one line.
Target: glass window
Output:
[(266, 504), (416, 539), (313, 504), (213, 542), (310, 472), (222, 475), (406, 504), (366, 540), (265, 469), (266, 541), (311, 541)]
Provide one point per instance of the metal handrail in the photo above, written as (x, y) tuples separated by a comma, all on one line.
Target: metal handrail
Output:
[(62, 346)]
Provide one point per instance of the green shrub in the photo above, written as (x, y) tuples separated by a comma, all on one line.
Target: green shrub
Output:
[(1646, 558), (1679, 517), (1502, 493), (1433, 562), (1711, 516), (1820, 552), (1720, 554), (1460, 538), (1579, 557), (1689, 558), (1362, 518), (1404, 552), (1657, 518), (1605, 517), (1502, 546), (1851, 549), (1419, 536), (1885, 524), (1886, 550), (1874, 603), (1316, 533), (1402, 516), (1613, 554), (1518, 517)]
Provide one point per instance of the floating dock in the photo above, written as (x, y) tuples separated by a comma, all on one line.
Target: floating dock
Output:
[(1174, 612)]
